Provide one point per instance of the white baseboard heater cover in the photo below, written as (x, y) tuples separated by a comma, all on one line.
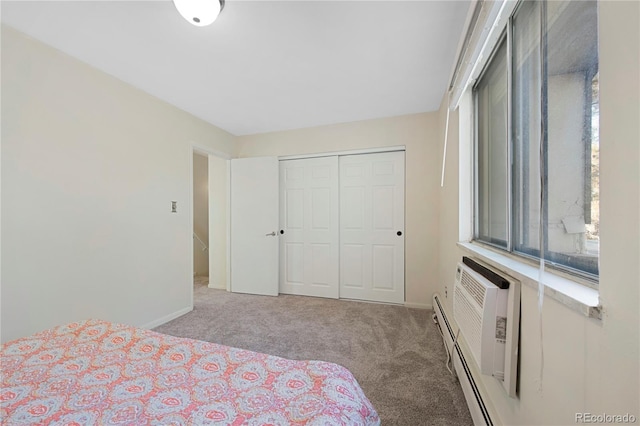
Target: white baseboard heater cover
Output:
[(486, 308), (477, 407)]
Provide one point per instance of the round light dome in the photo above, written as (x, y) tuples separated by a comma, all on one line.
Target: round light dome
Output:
[(199, 12)]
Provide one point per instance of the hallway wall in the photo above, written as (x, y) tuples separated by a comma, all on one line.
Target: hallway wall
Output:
[(200, 214)]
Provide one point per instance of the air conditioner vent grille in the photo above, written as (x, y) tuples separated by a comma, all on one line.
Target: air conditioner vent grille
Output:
[(473, 287), (470, 320)]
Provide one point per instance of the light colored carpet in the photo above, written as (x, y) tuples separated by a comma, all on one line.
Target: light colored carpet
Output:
[(395, 353)]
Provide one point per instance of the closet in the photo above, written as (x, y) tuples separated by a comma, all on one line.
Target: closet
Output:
[(342, 226)]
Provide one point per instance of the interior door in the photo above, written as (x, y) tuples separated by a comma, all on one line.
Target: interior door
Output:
[(309, 244), (254, 225), (372, 227)]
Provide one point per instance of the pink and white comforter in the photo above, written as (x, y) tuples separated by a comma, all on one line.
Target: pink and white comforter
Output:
[(96, 372)]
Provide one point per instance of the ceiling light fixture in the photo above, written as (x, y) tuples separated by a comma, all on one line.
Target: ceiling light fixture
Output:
[(199, 12)]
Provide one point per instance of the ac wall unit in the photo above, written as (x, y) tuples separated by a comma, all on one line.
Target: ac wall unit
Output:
[(486, 307)]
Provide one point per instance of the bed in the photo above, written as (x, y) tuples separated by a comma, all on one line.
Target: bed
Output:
[(97, 372)]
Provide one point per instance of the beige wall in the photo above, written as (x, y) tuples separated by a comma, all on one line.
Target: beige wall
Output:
[(89, 168), (200, 214), (589, 365), (419, 134)]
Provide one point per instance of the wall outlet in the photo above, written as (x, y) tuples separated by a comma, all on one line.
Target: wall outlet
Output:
[(174, 207)]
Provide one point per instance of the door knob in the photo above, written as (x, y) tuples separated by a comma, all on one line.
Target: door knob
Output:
[(271, 234), (399, 233)]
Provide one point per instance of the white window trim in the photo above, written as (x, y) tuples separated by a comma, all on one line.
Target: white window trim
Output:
[(570, 293)]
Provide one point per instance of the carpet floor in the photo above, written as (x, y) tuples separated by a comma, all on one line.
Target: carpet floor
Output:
[(395, 353)]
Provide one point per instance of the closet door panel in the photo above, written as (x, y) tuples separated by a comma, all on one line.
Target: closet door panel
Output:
[(294, 257), (372, 227), (309, 219)]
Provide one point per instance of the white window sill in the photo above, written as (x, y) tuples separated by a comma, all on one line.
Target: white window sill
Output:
[(576, 296)]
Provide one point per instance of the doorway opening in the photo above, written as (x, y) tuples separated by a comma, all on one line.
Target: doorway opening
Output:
[(200, 219), (210, 220)]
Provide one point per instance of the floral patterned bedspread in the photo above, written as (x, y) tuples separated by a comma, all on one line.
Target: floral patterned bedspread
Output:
[(97, 372)]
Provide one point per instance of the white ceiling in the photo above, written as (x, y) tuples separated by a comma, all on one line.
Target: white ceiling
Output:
[(264, 65)]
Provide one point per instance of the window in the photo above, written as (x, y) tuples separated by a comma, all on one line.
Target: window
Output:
[(536, 133), (491, 107)]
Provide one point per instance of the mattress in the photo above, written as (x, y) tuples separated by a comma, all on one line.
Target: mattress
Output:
[(97, 372)]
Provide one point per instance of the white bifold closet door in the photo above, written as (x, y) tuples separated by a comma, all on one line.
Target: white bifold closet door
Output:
[(372, 227), (309, 245)]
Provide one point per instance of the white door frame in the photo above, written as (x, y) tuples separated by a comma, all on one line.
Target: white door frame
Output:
[(195, 148)]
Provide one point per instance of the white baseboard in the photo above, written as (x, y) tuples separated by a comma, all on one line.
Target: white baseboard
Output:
[(216, 287), (418, 305), (167, 318)]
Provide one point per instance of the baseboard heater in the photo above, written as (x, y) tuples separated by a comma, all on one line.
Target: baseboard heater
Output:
[(477, 408)]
